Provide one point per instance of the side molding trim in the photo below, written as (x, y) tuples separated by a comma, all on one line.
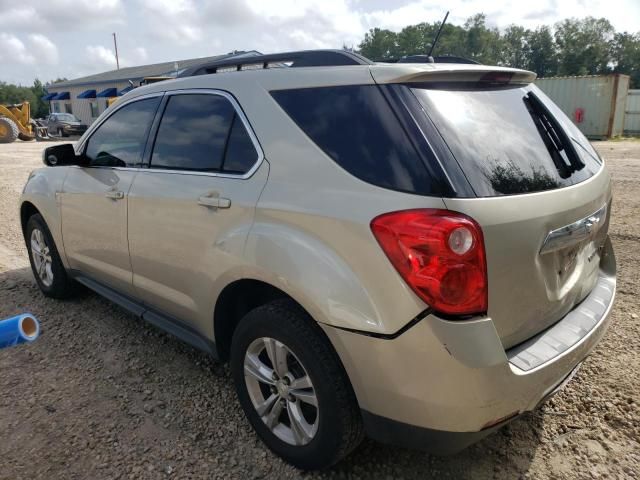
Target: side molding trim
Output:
[(165, 322)]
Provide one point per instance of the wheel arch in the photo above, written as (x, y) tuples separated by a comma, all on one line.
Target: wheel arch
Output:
[(27, 210), (234, 302)]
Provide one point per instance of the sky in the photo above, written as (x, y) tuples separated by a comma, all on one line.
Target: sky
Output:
[(72, 38)]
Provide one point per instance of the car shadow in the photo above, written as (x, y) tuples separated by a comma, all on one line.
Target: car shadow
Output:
[(507, 453), (123, 354)]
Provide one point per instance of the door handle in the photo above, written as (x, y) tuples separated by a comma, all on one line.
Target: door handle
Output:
[(209, 200), (114, 194)]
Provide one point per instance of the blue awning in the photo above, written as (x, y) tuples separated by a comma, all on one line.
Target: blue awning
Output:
[(49, 96), (87, 94), (125, 90), (61, 96), (108, 92)]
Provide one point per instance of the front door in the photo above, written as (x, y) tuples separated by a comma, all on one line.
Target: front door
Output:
[(94, 198), (190, 212)]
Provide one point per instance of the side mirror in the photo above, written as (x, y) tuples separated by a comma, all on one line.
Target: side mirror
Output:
[(61, 155)]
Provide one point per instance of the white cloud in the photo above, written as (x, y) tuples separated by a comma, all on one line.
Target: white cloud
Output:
[(35, 34), (14, 50), (175, 20), (139, 55), (43, 49), (100, 57), (38, 49), (53, 15)]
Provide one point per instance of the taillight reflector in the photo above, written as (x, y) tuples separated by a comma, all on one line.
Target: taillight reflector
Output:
[(441, 256)]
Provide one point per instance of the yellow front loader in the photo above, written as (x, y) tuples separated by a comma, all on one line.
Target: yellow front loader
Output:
[(16, 122)]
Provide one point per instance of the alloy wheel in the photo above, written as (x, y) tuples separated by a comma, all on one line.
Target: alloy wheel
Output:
[(281, 391), (41, 257)]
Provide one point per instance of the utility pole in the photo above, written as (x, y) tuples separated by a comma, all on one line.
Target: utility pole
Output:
[(115, 44)]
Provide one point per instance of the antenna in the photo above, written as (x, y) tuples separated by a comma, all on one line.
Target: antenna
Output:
[(435, 40)]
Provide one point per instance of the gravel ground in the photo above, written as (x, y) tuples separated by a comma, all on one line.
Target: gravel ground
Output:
[(102, 395)]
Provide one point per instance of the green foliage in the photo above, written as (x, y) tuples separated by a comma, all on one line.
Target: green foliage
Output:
[(588, 46), (626, 54), (14, 94)]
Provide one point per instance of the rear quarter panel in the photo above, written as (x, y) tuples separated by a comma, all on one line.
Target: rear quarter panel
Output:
[(312, 238)]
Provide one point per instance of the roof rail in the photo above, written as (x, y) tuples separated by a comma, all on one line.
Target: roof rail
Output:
[(304, 58)]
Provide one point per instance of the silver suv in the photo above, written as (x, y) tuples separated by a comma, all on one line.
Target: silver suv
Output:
[(418, 252)]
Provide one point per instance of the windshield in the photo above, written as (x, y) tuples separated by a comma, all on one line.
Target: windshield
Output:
[(509, 140), (67, 117)]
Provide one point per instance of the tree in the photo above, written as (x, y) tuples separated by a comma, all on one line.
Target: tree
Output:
[(482, 44), (514, 47), (414, 40), (540, 52), (379, 44), (39, 108), (588, 46), (626, 54), (584, 46)]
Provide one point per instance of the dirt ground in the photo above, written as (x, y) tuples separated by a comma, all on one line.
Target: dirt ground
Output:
[(101, 395)]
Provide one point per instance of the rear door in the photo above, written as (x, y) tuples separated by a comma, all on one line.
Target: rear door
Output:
[(190, 211), (541, 197), (94, 198)]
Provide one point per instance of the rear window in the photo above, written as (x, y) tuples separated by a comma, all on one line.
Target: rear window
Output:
[(509, 140), (356, 127)]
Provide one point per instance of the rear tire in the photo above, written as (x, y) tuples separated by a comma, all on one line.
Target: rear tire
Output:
[(324, 433), (8, 130), (46, 265)]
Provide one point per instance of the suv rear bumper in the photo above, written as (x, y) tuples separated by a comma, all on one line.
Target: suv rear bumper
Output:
[(453, 382)]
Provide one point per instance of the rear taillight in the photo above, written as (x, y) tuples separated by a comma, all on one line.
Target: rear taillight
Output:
[(440, 254)]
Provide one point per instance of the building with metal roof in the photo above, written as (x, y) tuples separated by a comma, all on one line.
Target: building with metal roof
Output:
[(86, 97)]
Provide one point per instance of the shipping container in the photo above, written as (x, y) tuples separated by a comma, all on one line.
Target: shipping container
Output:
[(632, 113), (595, 103)]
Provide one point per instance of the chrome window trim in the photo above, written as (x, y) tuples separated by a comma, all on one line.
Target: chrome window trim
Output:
[(190, 91)]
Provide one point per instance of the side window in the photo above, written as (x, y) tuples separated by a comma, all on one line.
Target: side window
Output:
[(120, 140), (241, 154), (356, 127), (202, 132), (193, 133)]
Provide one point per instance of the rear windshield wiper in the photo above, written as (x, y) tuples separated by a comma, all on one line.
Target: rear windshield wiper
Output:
[(558, 143)]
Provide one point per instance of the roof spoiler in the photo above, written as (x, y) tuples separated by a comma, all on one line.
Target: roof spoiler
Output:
[(453, 73)]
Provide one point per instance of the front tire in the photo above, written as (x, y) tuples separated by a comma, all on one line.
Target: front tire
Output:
[(46, 265), (293, 388), (8, 130)]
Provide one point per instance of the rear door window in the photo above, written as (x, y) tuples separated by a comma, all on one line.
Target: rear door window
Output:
[(508, 140), (193, 133), (203, 132), (355, 126)]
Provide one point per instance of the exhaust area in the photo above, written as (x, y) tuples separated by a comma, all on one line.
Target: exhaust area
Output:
[(23, 328)]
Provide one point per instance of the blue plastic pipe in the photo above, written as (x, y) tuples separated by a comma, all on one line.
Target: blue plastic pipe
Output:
[(19, 329)]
